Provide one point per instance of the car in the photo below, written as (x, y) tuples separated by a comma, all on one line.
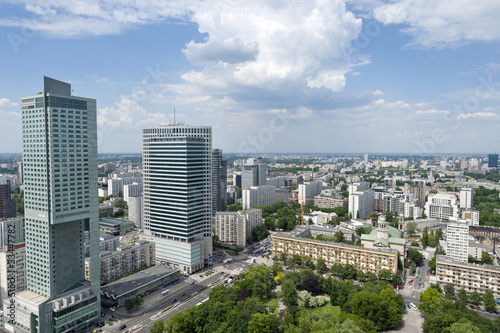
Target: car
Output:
[(496, 312), (471, 306), (183, 294), (123, 327), (476, 308), (408, 305), (192, 282), (173, 300), (102, 314), (413, 306), (201, 275)]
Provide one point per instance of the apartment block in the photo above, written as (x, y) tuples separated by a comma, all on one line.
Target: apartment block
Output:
[(361, 203), (258, 196), (8, 207), (124, 260), (471, 215), (442, 206), (457, 239), (135, 211), (367, 260), (326, 201), (308, 191), (12, 270), (466, 197), (470, 277), (236, 227)]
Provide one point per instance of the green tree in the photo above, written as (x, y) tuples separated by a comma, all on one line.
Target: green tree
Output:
[(411, 228), (119, 213), (429, 302), (262, 323), (321, 266), (121, 204), (339, 237), (475, 298), (138, 302), (425, 238), (102, 199), (432, 239), (486, 259), (461, 327), (462, 296), (235, 208), (157, 327), (129, 305), (439, 234), (289, 293), (384, 274), (311, 284), (120, 194), (415, 256), (489, 300), (449, 291)]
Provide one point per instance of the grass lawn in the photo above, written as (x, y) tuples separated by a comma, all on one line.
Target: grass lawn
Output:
[(327, 308)]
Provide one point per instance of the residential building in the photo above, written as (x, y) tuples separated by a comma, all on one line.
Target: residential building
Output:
[(282, 194), (308, 190), (361, 203), (8, 207), (442, 206), (493, 161), (125, 260), (60, 202), (258, 196), (177, 166), (457, 239), (135, 211), (471, 215), (367, 260), (419, 192), (365, 158), (132, 190), (488, 236), (466, 197), (20, 172), (389, 184), (107, 242), (12, 270), (411, 209), (359, 186), (254, 173), (330, 201), (219, 182), (11, 232), (470, 277), (476, 249), (277, 182), (236, 227), (237, 180)]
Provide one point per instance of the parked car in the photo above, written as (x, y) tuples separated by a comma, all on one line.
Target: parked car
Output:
[(183, 294), (123, 327), (471, 306), (173, 300), (413, 306)]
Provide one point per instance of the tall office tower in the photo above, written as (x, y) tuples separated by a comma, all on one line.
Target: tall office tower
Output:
[(20, 172), (493, 161), (308, 191), (8, 207), (177, 165), (419, 191), (219, 182), (237, 180), (365, 158), (457, 239), (254, 173), (60, 199), (466, 197)]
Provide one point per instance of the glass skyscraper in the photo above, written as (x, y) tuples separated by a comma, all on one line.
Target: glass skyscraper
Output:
[(60, 199), (178, 194)]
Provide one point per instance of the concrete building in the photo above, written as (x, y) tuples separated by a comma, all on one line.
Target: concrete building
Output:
[(330, 201), (236, 227), (125, 260), (384, 236), (389, 184), (132, 190), (308, 190), (367, 260), (421, 224), (11, 232), (419, 191), (283, 194), (441, 206), (12, 271), (359, 186), (60, 201), (219, 182), (457, 239), (177, 165), (107, 242), (361, 203), (115, 226), (319, 218), (471, 215), (277, 182), (488, 236), (135, 211), (254, 173), (8, 207), (411, 209), (237, 180), (140, 284), (20, 173), (467, 197), (258, 196), (471, 277), (476, 249)]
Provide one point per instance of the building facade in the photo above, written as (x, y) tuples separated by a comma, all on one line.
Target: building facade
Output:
[(60, 200), (467, 197), (361, 203), (236, 227), (419, 191), (177, 166), (219, 182), (11, 232), (308, 190), (135, 211), (457, 239), (257, 196), (12, 271), (441, 206), (8, 207), (493, 161), (471, 215)]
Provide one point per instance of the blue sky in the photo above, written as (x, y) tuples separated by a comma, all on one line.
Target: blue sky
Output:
[(269, 76)]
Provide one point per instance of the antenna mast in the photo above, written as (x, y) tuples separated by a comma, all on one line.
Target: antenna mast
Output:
[(174, 115)]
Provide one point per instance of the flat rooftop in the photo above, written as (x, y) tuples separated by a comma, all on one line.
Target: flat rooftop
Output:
[(137, 280)]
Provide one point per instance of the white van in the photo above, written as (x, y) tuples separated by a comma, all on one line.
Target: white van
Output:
[(165, 292), (413, 307)]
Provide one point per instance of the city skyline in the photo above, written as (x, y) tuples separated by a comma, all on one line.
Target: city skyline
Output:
[(344, 72)]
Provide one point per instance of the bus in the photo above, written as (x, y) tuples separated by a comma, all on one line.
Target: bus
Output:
[(165, 292)]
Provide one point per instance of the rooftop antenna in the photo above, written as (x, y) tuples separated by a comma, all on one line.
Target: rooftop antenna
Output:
[(174, 115)]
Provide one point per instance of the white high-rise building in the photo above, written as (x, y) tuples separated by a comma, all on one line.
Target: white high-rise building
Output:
[(135, 211), (466, 197), (254, 173), (361, 203), (471, 215), (11, 232), (132, 190), (365, 158), (177, 191), (308, 191), (236, 227), (457, 239), (359, 186), (60, 201), (441, 206), (258, 196)]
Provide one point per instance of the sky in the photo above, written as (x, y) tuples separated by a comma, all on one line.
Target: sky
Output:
[(312, 76)]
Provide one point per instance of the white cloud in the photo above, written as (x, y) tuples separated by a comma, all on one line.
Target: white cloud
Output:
[(6, 103), (127, 113), (441, 24), (431, 112), (478, 115)]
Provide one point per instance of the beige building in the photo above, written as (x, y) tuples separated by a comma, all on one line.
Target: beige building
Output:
[(236, 227), (468, 276), (384, 236), (324, 201), (124, 260), (367, 260), (16, 270)]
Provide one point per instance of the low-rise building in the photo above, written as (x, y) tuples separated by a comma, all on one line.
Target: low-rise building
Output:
[(367, 260), (320, 218), (476, 249), (124, 260), (421, 224), (115, 226), (329, 201), (355, 224), (258, 196), (283, 194), (470, 277)]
